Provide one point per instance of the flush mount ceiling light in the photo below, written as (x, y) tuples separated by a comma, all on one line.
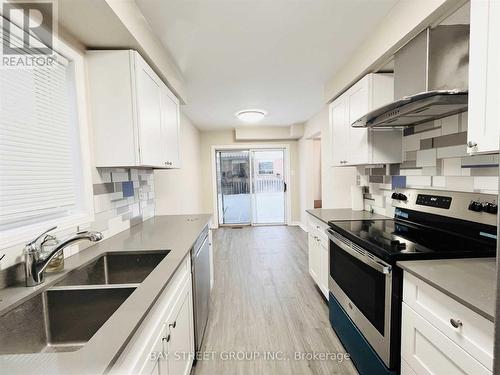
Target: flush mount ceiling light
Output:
[(251, 115)]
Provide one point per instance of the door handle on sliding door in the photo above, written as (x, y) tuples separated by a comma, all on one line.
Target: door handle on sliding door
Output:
[(284, 187)]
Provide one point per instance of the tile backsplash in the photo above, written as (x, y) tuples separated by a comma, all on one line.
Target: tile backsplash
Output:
[(122, 198), (435, 157)]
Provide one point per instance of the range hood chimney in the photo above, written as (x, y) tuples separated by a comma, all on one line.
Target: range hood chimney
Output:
[(430, 79)]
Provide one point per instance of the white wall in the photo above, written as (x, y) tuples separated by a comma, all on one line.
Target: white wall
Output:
[(179, 191), (335, 181)]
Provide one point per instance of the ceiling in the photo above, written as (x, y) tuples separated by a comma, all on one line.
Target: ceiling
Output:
[(274, 55)]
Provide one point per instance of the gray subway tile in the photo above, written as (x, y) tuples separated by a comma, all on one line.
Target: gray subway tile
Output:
[(451, 140), (426, 144), (394, 169), (105, 188), (380, 171), (411, 156), (376, 179)]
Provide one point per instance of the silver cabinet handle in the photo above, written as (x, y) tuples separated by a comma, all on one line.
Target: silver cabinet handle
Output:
[(456, 323), (471, 144), (378, 265)]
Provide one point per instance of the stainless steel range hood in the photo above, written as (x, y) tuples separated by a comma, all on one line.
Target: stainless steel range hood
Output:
[(430, 79)]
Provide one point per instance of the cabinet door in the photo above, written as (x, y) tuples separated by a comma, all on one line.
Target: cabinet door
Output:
[(325, 268), (484, 77), (170, 129), (180, 346), (339, 131), (358, 106), (154, 359), (314, 258), (427, 351), (149, 125)]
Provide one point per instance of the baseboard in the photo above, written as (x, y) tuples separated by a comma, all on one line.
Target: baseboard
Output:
[(299, 224)]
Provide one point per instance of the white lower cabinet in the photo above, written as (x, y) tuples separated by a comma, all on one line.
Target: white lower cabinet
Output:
[(164, 343), (441, 336), (314, 257), (406, 369), (178, 338), (318, 255)]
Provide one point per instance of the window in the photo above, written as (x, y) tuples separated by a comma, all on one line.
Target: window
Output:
[(266, 167), (42, 181)]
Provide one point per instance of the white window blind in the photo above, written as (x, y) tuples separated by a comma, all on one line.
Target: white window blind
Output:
[(38, 144)]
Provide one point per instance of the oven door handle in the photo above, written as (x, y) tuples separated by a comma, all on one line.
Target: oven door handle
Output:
[(373, 263)]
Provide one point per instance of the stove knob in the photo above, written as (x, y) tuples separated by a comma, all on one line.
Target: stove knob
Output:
[(475, 206), (395, 195), (402, 197), (491, 208)]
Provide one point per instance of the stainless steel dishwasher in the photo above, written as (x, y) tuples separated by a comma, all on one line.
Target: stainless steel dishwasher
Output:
[(200, 263)]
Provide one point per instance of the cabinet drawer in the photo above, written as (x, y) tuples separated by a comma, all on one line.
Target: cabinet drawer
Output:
[(475, 335), (427, 350), (318, 228)]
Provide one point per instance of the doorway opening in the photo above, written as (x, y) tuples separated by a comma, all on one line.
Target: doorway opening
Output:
[(316, 170), (251, 187)]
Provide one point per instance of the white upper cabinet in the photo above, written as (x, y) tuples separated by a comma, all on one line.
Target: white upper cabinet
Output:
[(149, 114), (484, 77), (171, 128), (355, 146), (135, 116)]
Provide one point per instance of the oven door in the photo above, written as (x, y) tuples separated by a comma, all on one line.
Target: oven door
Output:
[(362, 284)]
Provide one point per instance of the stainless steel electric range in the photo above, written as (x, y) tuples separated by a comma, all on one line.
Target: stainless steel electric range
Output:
[(365, 284)]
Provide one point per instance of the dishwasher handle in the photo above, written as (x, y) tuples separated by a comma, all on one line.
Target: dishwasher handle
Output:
[(200, 248)]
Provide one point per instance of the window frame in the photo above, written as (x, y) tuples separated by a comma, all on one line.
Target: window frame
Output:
[(19, 235)]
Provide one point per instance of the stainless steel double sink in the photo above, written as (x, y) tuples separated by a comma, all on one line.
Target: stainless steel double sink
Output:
[(65, 316)]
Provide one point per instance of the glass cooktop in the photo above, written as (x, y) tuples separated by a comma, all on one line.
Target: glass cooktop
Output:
[(396, 240)]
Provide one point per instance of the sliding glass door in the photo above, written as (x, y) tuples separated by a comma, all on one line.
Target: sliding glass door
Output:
[(250, 186), (268, 187), (233, 187)]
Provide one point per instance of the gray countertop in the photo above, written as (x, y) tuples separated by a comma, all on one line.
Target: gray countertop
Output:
[(175, 233), (468, 281), (343, 214)]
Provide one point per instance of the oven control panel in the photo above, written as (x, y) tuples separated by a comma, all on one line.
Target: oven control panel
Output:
[(476, 207), (434, 201)]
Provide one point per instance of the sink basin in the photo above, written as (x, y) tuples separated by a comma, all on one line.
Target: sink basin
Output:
[(60, 320), (116, 268)]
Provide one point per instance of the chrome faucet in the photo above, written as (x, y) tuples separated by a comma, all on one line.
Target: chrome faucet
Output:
[(35, 262)]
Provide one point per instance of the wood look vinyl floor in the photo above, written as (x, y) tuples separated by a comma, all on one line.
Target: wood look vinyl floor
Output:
[(265, 302)]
